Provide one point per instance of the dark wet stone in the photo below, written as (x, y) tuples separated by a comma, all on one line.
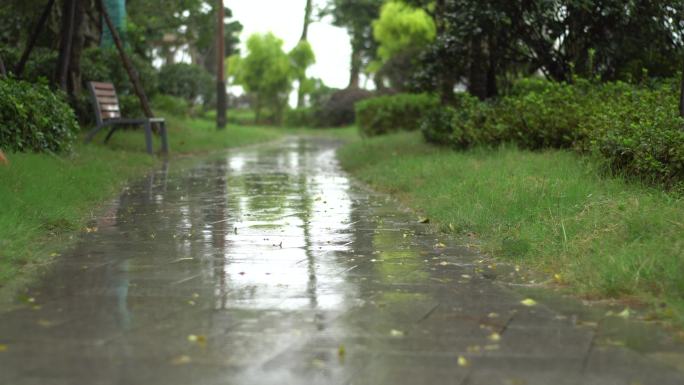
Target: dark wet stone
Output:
[(270, 266)]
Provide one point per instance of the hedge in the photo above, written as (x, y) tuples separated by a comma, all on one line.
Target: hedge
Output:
[(391, 113)]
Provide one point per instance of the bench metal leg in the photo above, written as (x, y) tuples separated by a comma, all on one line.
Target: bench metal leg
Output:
[(109, 134), (92, 134), (164, 138), (148, 137)]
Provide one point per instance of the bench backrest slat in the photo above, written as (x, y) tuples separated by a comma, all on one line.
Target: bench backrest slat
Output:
[(105, 101)]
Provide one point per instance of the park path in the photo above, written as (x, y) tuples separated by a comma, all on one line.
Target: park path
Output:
[(271, 266)]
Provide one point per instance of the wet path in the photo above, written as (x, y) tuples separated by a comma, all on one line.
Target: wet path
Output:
[(270, 266)]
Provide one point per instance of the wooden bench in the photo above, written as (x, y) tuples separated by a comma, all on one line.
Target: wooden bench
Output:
[(108, 114)]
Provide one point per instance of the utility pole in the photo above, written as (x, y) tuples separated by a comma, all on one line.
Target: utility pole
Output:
[(220, 69)]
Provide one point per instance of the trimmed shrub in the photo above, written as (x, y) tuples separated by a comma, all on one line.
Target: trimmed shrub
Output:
[(470, 123), (640, 134), (188, 81), (391, 113), (33, 118), (338, 108)]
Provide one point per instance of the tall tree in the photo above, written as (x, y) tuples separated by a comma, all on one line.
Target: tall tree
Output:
[(357, 17), (308, 8)]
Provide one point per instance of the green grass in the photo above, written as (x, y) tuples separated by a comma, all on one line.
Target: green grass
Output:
[(553, 211), (46, 199)]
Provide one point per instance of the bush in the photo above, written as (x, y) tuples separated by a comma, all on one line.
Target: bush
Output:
[(470, 123), (637, 131), (299, 117), (337, 109), (171, 104), (188, 81), (33, 118), (640, 134), (391, 113)]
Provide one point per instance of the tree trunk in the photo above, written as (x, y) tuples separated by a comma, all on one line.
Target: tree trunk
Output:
[(681, 97), (355, 70), (19, 68), (77, 42), (445, 81), (307, 20), (3, 71), (132, 73), (492, 53), (66, 34), (477, 80), (220, 67), (300, 93)]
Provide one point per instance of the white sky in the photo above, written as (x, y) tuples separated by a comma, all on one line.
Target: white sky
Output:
[(284, 18)]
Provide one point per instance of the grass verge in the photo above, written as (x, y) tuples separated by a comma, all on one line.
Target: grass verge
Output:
[(553, 211), (46, 199)]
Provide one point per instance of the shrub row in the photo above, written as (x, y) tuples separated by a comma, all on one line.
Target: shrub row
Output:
[(33, 118), (636, 130), (391, 113)]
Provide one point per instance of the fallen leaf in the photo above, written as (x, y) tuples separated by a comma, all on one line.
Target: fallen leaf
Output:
[(3, 348), (423, 220), (462, 361), (558, 278), (440, 245), (624, 314), (45, 323), (474, 349), (191, 303), (341, 351), (528, 302), (396, 333), (493, 315), (491, 347), (495, 337)]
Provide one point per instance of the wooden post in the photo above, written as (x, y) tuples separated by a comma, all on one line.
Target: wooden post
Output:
[(132, 73), (220, 68), (34, 37)]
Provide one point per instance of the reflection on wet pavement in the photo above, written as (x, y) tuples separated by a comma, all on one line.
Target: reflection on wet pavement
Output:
[(270, 266)]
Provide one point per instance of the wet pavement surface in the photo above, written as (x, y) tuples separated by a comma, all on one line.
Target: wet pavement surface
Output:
[(271, 266)]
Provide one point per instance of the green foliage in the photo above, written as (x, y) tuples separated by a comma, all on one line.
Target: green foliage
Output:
[(104, 65), (402, 27), (265, 72), (302, 57), (299, 117), (391, 113), (637, 131), (640, 134), (171, 104), (33, 118), (188, 81)]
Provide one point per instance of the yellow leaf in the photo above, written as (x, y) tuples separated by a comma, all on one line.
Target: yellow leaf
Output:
[(396, 333), (528, 302), (462, 361), (181, 360), (341, 351), (624, 314), (558, 278), (3, 348), (440, 245), (495, 337)]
